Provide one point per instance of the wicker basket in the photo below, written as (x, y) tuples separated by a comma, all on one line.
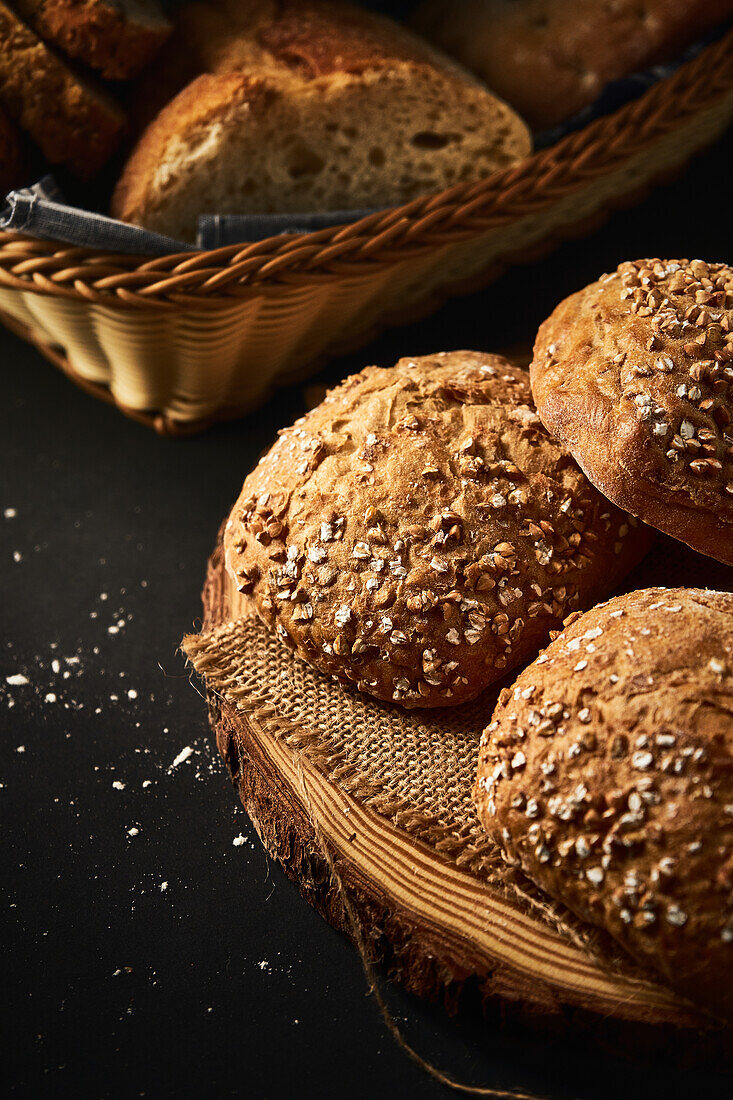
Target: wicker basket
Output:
[(186, 339)]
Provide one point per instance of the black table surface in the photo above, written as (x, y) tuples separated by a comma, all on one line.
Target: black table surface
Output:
[(151, 948)]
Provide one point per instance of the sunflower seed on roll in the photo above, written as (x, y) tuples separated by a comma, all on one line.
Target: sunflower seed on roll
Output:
[(607, 775), (419, 533)]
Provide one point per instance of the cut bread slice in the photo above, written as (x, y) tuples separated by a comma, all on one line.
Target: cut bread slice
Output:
[(73, 122), (115, 37), (318, 107)]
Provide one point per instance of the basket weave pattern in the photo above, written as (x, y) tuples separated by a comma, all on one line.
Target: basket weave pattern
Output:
[(184, 339)]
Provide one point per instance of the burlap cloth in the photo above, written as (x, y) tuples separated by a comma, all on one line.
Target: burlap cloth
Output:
[(414, 768)]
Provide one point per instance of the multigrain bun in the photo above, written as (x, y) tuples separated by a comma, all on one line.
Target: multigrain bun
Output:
[(13, 160), (634, 375), (607, 775), (115, 37), (419, 532), (305, 105), (550, 58), (72, 120)]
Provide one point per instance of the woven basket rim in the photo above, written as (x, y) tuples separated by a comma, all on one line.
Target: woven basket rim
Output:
[(223, 276)]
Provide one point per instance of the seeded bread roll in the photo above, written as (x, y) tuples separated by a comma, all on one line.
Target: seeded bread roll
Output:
[(13, 160), (73, 121), (607, 775), (304, 105), (550, 58), (419, 532), (634, 375), (115, 37)]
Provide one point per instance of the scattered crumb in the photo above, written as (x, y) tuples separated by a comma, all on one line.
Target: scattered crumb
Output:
[(163, 886), (239, 841), (134, 831), (50, 697), (10, 513), (118, 786), (20, 748), (16, 680), (182, 756)]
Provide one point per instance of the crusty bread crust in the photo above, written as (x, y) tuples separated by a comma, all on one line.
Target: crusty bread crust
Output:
[(298, 38), (13, 160), (635, 375), (73, 122), (306, 106), (115, 41), (550, 58), (607, 774), (419, 533)]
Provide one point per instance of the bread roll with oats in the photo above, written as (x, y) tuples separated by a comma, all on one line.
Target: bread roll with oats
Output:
[(607, 775), (634, 374), (301, 106), (419, 532)]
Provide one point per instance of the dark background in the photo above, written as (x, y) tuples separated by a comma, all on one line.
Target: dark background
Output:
[(224, 982)]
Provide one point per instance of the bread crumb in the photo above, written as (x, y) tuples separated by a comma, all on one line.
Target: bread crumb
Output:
[(16, 680), (182, 756)]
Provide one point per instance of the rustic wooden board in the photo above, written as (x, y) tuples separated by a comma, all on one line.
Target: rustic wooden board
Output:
[(435, 924)]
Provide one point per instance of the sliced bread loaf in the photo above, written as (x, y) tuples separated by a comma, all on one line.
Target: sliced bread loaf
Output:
[(307, 106), (74, 122)]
